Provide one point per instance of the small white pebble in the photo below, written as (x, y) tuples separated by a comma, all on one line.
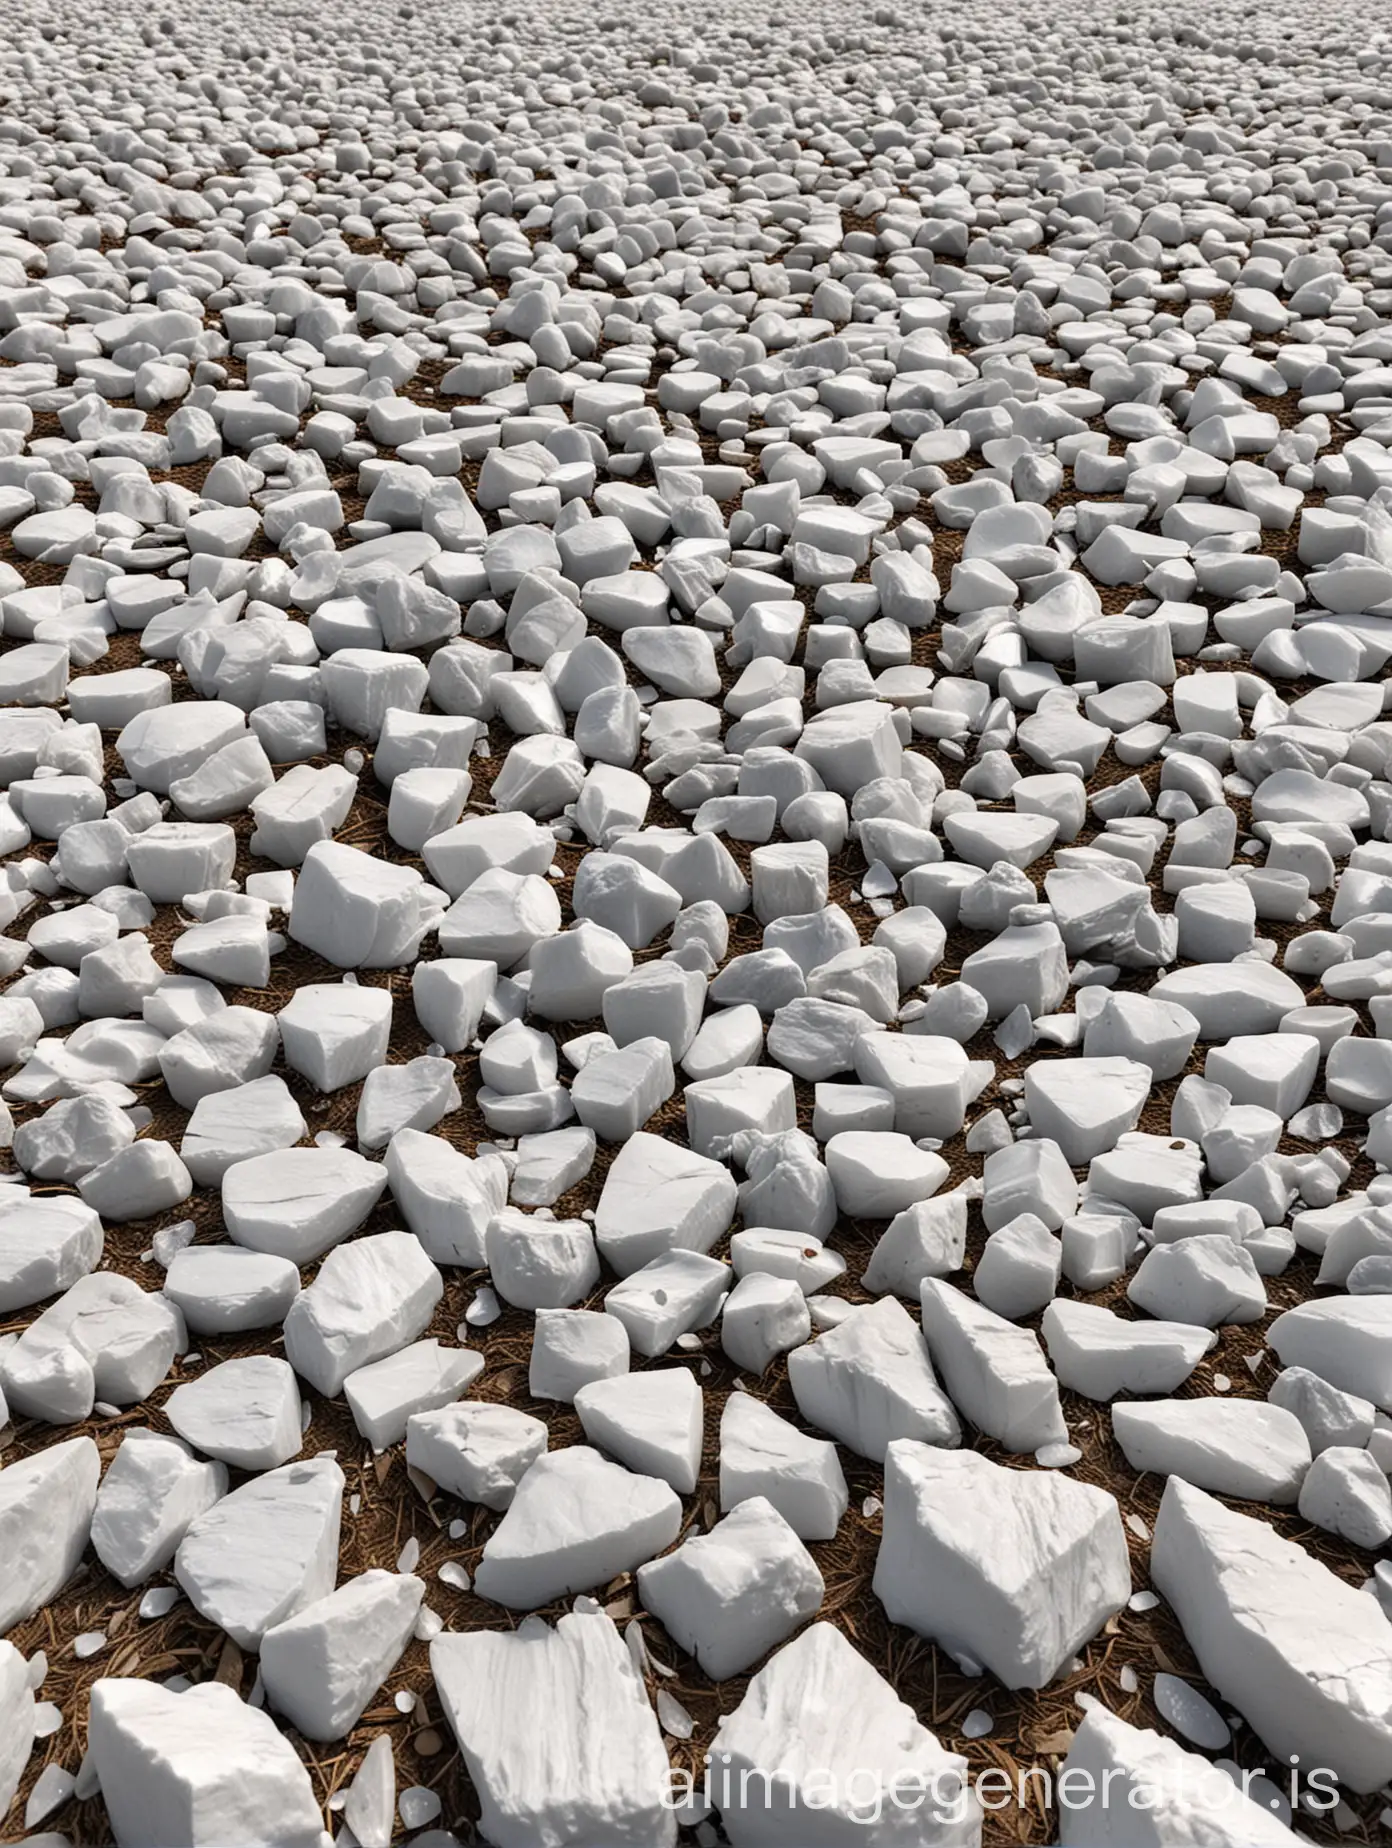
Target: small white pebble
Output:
[(89, 1643), (47, 1719), (159, 1600), (673, 1717), (977, 1724), (404, 1701), (452, 1573), (417, 1806), (409, 1557), (1142, 1601), (484, 1309), (1129, 1679)]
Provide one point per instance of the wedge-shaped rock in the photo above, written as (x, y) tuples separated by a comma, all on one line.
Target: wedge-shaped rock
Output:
[(266, 1550), (232, 1126), (199, 1769), (46, 1244), (1305, 1657), (869, 1381), (1346, 1340), (297, 1203), (446, 1198), (384, 1395), (1137, 1789), (322, 1666), (575, 1522), (763, 1455), (245, 1413), (821, 1740), (1099, 1354), (660, 1197), (46, 1506), (1085, 1105), (1241, 1448), (370, 1298), (152, 1492), (994, 1371), (478, 1452), (730, 1595), (1016, 1569), (595, 1773), (651, 1422)]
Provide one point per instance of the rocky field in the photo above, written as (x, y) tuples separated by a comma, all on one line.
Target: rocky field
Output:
[(696, 980)]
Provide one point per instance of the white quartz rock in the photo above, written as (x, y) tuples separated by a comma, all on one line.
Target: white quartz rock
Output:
[(46, 1506), (1099, 1354), (869, 1381), (1017, 1569), (575, 1522), (357, 911), (478, 1452), (369, 1809), (198, 1769), (668, 1298), (571, 1348), (1085, 1105), (266, 1550), (152, 1492), (659, 1197), (231, 1126), (1206, 1280), (46, 1244), (1330, 1417), (540, 1263), (1241, 1448), (821, 1732), (1346, 1340), (245, 1413), (763, 1455), (323, 1665), (17, 1722), (994, 1371), (219, 1053), (1019, 1268), (138, 1181), (1305, 1657), (728, 1596), (445, 1197), (1139, 1789), (297, 1203), (370, 1298), (1346, 1493), (384, 1395), (652, 1422), (597, 1772), (878, 1173), (227, 1289), (335, 1033), (105, 1338), (415, 1095)]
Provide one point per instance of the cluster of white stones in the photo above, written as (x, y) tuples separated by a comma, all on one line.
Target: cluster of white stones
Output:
[(697, 887)]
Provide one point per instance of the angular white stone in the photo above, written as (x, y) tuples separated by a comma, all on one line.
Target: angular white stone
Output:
[(197, 1770), (478, 1452), (994, 1371), (1305, 1657), (384, 1395), (297, 1203), (266, 1550), (659, 1197), (763, 1455), (1099, 1354), (46, 1506), (245, 1413), (1241, 1448), (596, 1773), (369, 1298), (153, 1490), (651, 1422), (575, 1522), (869, 1381), (1016, 1569), (323, 1665)]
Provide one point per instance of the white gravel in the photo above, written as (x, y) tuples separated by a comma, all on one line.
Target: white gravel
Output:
[(697, 807)]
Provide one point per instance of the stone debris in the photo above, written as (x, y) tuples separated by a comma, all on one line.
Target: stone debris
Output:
[(672, 691)]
